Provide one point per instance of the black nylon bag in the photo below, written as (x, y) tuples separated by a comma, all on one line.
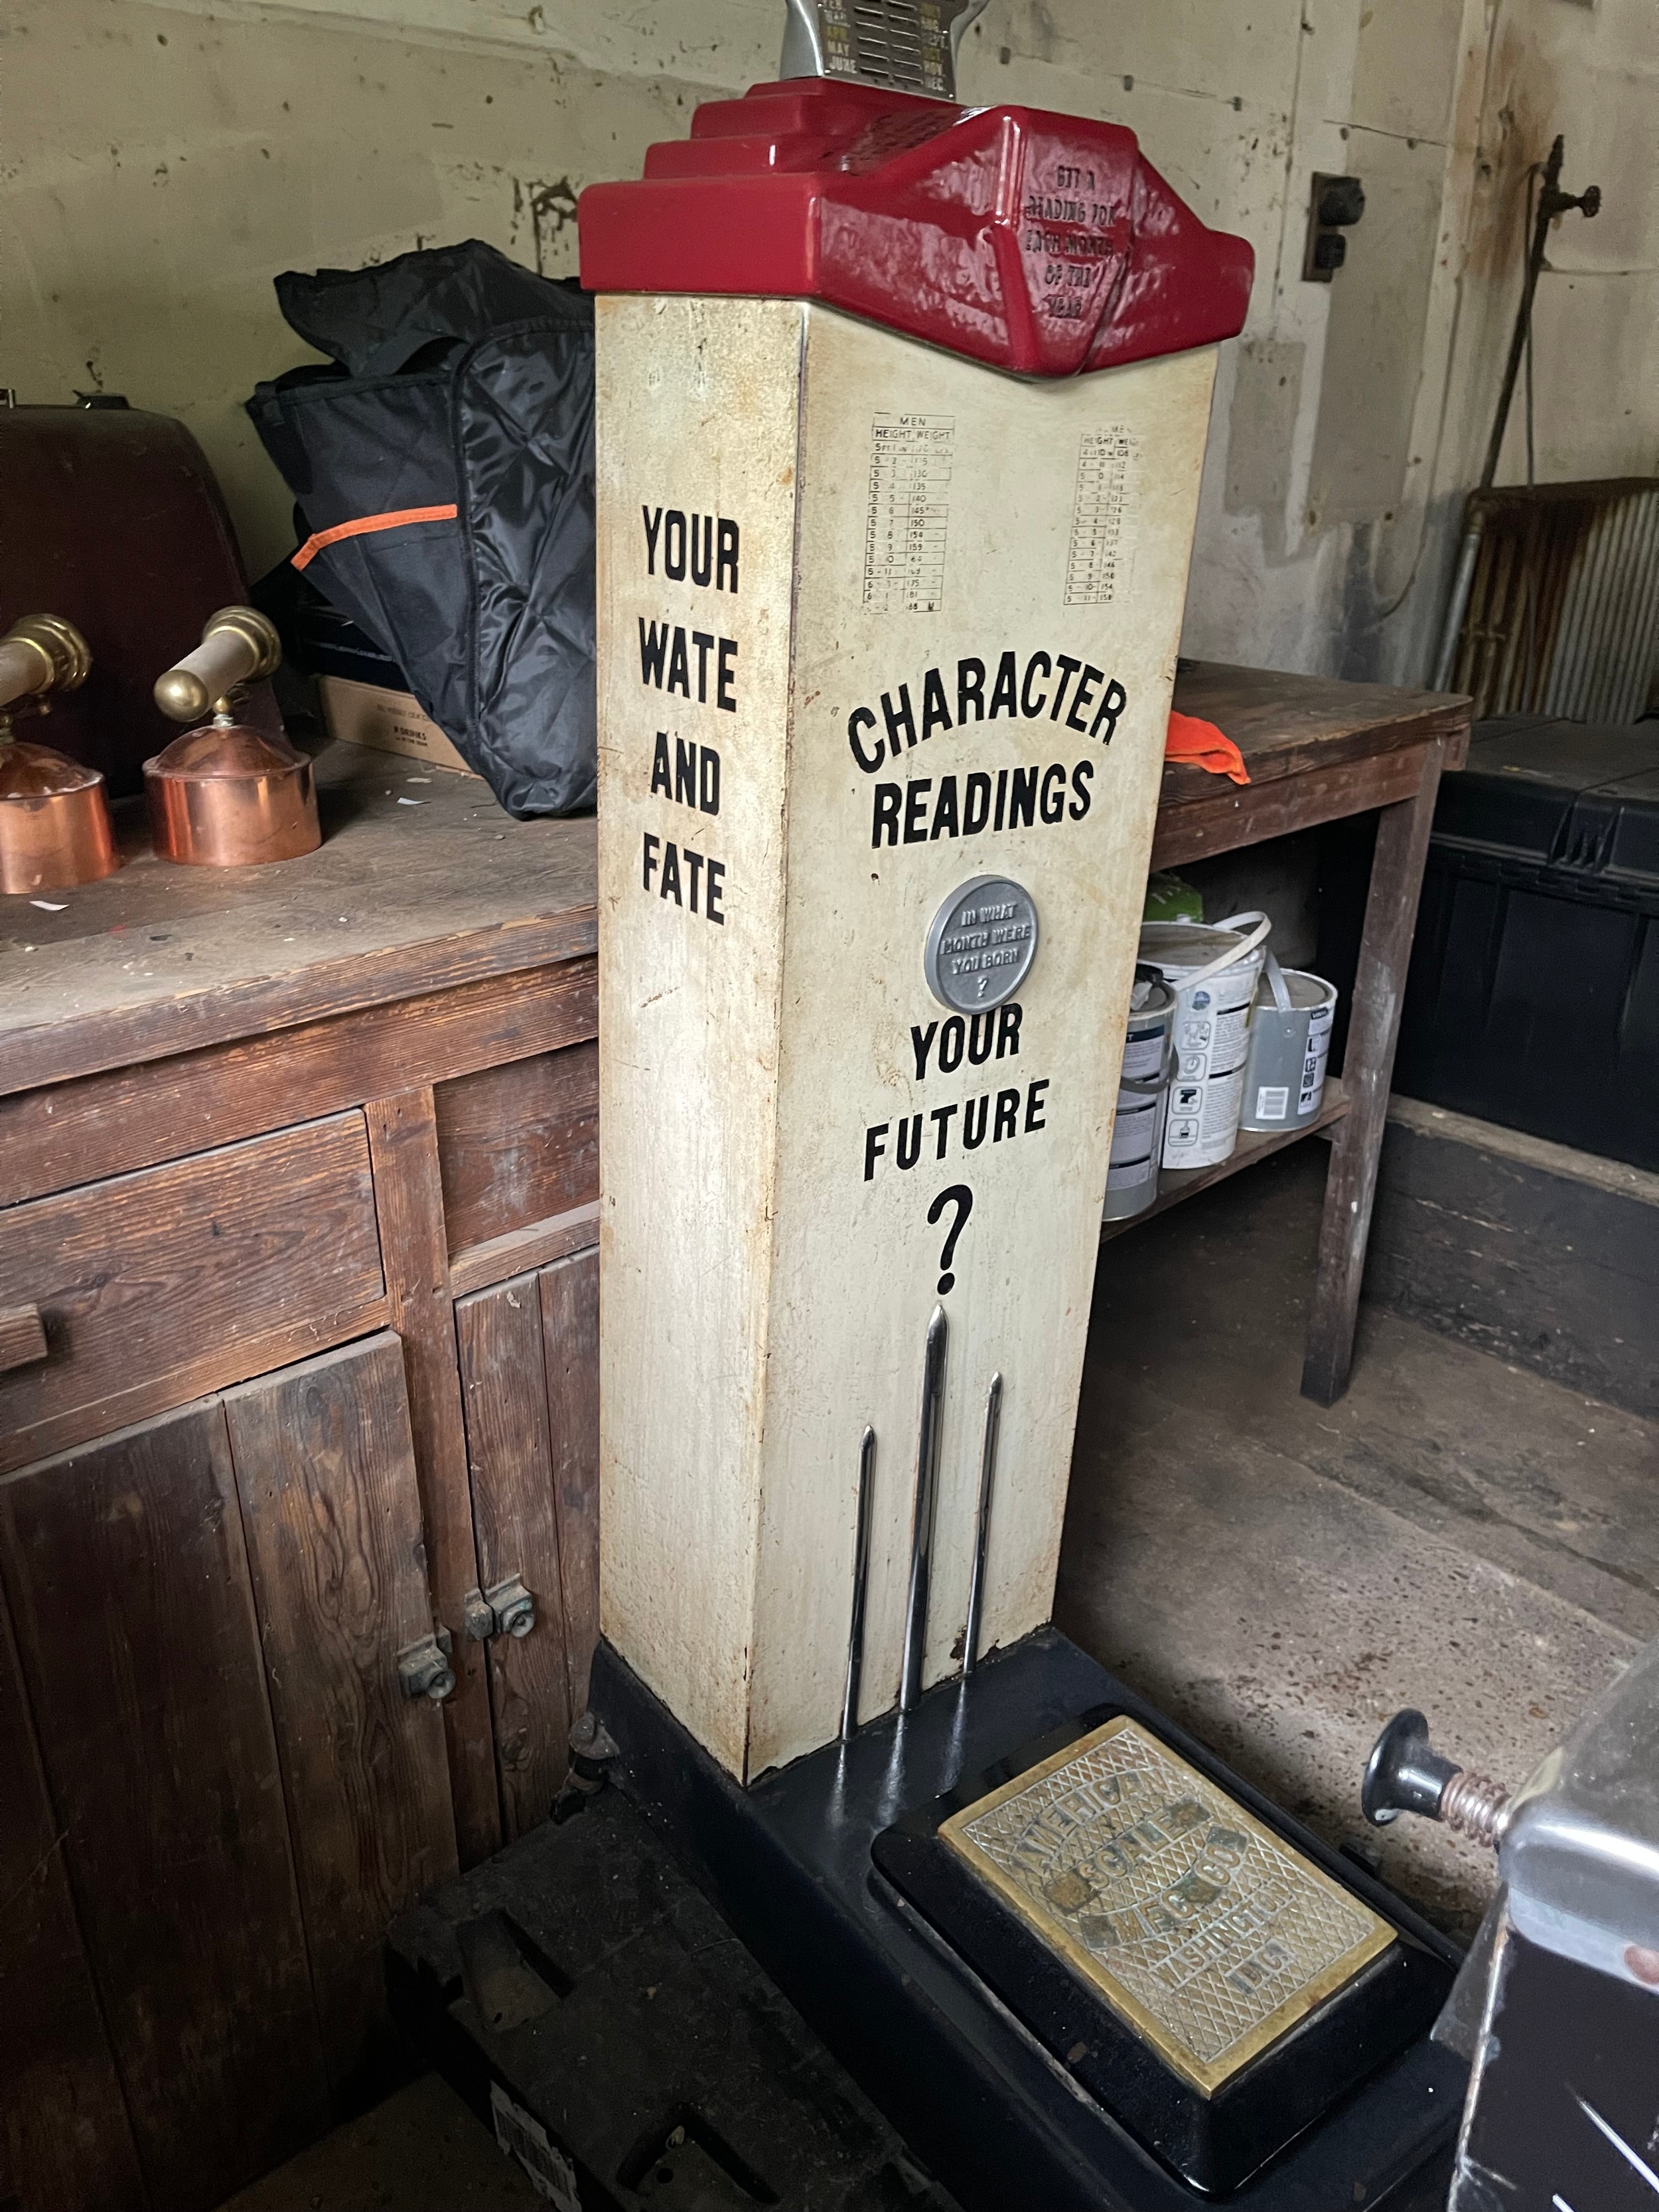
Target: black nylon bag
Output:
[(464, 381)]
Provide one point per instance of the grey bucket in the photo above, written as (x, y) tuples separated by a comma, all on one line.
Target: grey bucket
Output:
[(1143, 1097), (1290, 1044)]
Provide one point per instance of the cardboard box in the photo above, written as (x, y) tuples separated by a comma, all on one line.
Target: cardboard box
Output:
[(390, 721)]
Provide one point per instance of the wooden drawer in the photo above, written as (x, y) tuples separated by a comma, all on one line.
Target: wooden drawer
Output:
[(156, 1287), (518, 1143)]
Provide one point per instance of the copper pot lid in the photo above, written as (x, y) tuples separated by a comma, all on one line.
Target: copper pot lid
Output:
[(224, 750), (36, 772)]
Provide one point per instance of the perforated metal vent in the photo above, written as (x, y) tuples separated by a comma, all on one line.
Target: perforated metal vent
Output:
[(899, 43), (905, 45)]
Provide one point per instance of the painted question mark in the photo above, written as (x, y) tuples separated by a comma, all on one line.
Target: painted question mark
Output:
[(961, 1198)]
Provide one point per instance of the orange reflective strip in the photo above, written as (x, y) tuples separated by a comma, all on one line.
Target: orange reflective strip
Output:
[(366, 523)]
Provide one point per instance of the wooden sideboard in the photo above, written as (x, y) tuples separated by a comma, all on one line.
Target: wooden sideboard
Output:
[(299, 1180)]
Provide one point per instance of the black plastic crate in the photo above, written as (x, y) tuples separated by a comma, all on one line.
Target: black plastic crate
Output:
[(1532, 998)]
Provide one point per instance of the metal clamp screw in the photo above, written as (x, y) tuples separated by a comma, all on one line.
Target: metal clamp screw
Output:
[(424, 1668), (512, 1606), (506, 1608)]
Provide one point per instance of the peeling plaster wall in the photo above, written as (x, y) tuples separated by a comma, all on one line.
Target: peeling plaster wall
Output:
[(162, 163)]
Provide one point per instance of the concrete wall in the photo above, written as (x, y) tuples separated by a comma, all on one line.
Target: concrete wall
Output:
[(162, 163)]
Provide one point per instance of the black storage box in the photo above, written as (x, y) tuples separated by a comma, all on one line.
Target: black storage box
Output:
[(1532, 998)]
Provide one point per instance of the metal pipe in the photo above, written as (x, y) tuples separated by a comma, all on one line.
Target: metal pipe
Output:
[(921, 1531), (988, 1467), (1445, 658), (849, 1703)]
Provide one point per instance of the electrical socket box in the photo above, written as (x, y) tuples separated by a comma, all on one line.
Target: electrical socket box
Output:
[(1336, 204)]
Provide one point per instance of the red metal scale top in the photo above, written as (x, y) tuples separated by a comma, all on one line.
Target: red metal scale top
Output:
[(1040, 243)]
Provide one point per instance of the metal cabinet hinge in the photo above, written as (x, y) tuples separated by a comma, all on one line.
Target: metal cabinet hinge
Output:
[(506, 1608), (424, 1668)]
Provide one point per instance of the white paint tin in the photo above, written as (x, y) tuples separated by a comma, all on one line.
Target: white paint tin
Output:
[(1290, 1045), (1214, 969), (1142, 1098)]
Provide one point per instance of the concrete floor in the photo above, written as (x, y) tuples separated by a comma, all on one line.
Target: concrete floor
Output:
[(1457, 1534), (1454, 1533), (420, 2151)]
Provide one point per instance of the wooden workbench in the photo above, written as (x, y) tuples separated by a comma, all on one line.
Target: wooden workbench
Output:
[(1318, 752), (298, 1341)]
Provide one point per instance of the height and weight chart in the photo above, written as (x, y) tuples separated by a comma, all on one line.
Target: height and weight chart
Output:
[(1096, 554), (910, 459)]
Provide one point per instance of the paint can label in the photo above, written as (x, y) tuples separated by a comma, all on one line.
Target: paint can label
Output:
[(1143, 1056), (1135, 1135), (1313, 1060), (1203, 1115)]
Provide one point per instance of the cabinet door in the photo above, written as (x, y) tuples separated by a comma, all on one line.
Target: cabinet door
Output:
[(209, 1610), (529, 1361), (128, 1583), (326, 1475), (65, 2140)]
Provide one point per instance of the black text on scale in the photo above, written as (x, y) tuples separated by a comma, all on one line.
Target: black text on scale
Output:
[(1039, 693), (701, 550), (920, 811)]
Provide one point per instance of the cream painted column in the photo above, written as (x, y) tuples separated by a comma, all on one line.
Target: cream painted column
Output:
[(874, 621)]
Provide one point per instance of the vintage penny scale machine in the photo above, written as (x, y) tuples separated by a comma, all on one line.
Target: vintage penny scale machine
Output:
[(900, 416)]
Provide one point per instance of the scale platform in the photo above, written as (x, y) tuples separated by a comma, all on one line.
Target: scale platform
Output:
[(1075, 1961)]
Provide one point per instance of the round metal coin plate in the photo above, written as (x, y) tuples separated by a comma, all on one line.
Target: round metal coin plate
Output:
[(981, 943)]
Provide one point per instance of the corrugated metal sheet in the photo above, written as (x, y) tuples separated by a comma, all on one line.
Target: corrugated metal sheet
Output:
[(1564, 616)]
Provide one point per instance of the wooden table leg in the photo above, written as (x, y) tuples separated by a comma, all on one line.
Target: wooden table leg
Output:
[(1402, 843)]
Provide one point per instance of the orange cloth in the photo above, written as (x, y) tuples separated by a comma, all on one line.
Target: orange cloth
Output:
[(1202, 746)]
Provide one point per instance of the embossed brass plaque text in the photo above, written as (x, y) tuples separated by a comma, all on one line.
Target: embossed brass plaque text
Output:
[(1203, 1930)]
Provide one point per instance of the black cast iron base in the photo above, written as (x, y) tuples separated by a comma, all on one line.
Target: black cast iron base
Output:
[(1001, 2120)]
